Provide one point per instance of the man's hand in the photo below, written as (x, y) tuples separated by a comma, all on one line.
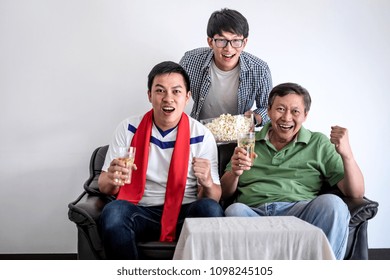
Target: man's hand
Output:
[(111, 181), (240, 161), (202, 170), (339, 137)]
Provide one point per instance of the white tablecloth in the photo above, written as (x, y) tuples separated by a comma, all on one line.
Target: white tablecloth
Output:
[(251, 238)]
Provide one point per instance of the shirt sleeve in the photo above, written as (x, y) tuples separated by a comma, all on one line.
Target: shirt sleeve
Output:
[(209, 151), (262, 95)]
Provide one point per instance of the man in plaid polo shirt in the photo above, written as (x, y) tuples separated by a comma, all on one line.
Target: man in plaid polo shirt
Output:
[(224, 78)]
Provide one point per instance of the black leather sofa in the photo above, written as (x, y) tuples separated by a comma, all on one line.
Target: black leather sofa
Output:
[(86, 209)]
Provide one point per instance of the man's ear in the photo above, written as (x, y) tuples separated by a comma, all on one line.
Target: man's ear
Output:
[(188, 97), (150, 96), (245, 42), (306, 114), (210, 42)]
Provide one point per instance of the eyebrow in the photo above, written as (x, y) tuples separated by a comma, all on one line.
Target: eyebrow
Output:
[(177, 86), (234, 37), (292, 108)]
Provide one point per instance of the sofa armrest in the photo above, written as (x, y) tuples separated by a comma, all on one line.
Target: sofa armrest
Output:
[(86, 209), (361, 209), (85, 212)]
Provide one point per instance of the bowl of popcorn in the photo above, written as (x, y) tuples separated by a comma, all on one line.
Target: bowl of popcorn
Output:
[(226, 127)]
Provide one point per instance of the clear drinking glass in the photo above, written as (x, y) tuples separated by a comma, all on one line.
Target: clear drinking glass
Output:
[(127, 155), (246, 140)]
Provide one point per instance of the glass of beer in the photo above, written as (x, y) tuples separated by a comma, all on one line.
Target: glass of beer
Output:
[(127, 155), (246, 140)]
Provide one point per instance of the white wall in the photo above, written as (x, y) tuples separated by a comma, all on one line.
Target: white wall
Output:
[(71, 70)]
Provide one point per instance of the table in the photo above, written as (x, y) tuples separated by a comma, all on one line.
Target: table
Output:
[(251, 238)]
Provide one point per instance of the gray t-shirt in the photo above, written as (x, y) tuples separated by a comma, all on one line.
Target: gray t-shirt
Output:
[(222, 97)]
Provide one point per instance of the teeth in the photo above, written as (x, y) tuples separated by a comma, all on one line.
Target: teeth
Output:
[(168, 108), (285, 126), (228, 55)]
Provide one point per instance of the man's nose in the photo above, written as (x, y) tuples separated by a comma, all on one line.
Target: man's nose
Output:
[(287, 115), (168, 97)]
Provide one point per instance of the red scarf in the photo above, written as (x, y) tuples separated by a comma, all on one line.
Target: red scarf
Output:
[(177, 175)]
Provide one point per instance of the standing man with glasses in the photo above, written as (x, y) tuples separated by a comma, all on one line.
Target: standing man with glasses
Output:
[(224, 78)]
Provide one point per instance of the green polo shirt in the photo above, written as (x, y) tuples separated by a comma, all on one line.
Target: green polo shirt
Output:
[(294, 173)]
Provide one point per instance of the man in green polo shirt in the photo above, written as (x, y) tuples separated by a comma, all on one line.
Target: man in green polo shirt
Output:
[(291, 165)]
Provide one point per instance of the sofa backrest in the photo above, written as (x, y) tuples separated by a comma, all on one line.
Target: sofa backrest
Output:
[(95, 168)]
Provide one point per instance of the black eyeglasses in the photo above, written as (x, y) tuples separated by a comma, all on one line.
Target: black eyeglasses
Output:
[(222, 43)]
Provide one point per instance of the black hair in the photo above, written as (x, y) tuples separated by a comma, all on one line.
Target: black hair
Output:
[(229, 21), (288, 88), (167, 67)]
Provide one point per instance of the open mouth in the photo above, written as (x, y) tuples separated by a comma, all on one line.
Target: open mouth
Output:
[(285, 127), (228, 56), (168, 109)]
